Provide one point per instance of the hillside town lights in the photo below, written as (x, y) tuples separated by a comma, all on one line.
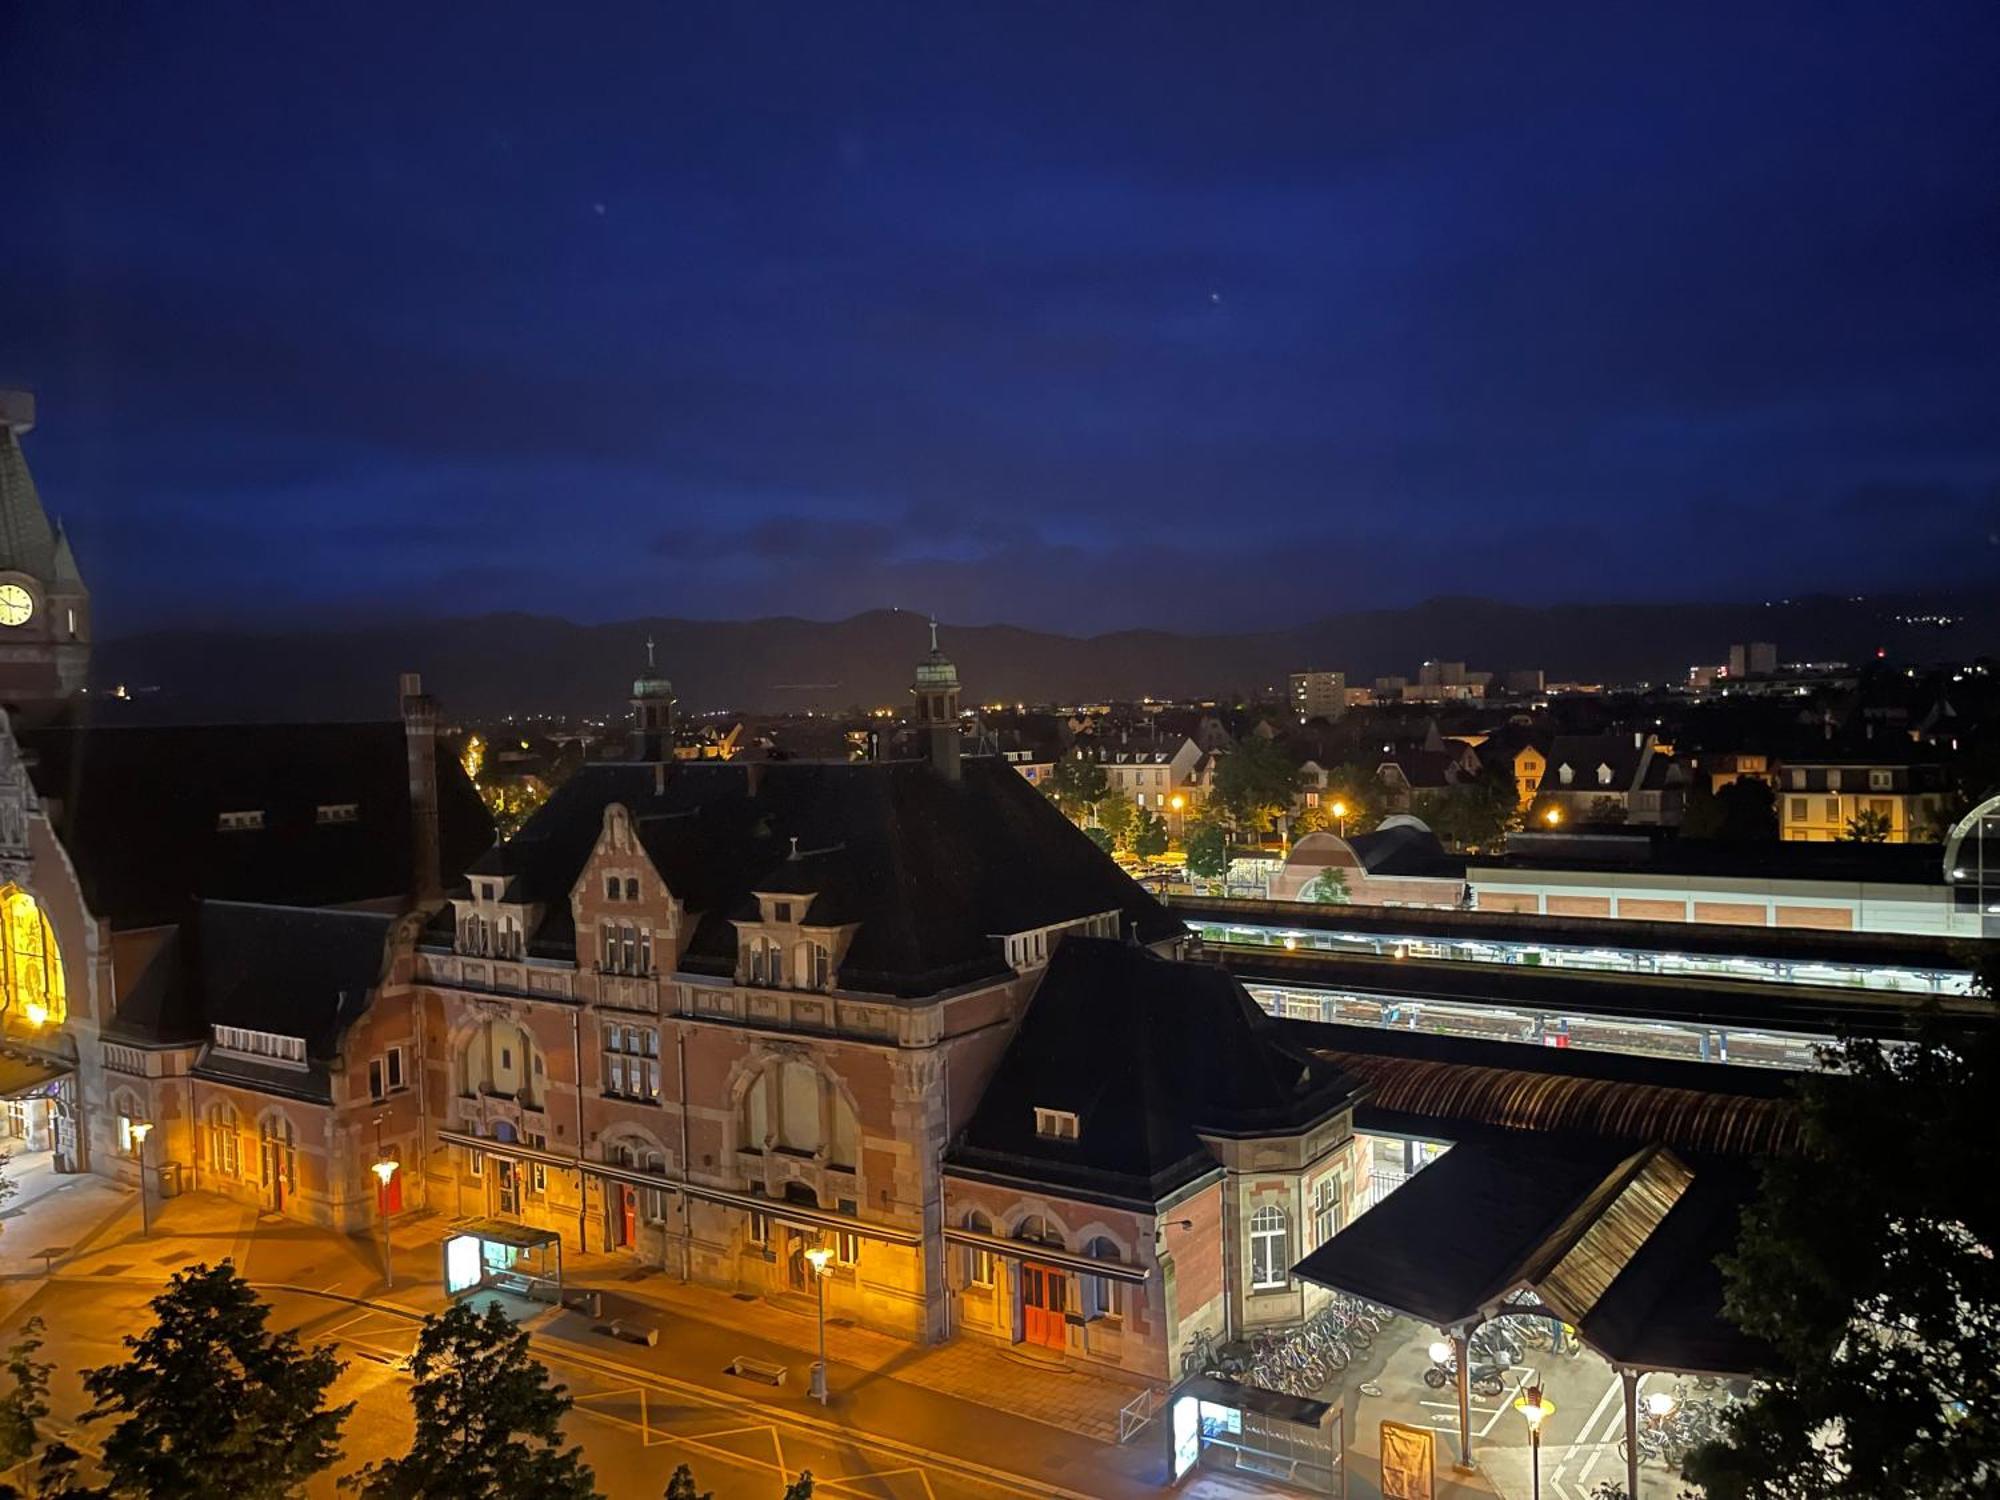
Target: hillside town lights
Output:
[(140, 1129), (1537, 1408), (385, 1172), (820, 1258)]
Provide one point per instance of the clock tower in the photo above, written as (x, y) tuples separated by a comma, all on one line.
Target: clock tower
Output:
[(44, 606)]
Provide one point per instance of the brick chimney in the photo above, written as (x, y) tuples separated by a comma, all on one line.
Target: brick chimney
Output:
[(420, 725)]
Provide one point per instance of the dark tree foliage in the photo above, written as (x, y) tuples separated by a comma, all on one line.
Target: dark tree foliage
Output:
[(680, 1486), (1330, 885), (1868, 1263), (1077, 785), (1207, 852), (1254, 783), (489, 1423), (210, 1402), (1149, 837), (1867, 827), (27, 1400), (1100, 837)]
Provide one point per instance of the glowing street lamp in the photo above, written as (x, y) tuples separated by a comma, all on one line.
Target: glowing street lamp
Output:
[(1553, 816), (1660, 1404), (385, 1173), (1537, 1408), (140, 1129), (1340, 812), (819, 1257)]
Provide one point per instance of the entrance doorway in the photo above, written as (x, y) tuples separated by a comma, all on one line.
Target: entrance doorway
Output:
[(1044, 1300)]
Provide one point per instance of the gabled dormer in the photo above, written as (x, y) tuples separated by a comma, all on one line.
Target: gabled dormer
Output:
[(627, 920)]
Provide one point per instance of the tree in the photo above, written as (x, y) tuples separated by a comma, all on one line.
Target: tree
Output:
[(1884, 1382), (1100, 837), (1254, 783), (802, 1488), (1330, 885), (24, 1406), (681, 1486), (1149, 838), (1868, 827), (1117, 815), (1471, 814), (1745, 811), (1077, 784), (1207, 852), (512, 803), (489, 1423), (210, 1402), (55, 1478)]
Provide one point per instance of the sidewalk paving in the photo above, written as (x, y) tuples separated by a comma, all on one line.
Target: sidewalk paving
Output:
[(1074, 1400)]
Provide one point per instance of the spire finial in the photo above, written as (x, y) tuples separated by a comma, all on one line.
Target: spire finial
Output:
[(649, 651), (934, 632)]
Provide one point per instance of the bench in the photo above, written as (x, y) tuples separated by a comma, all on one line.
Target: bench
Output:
[(757, 1369), (630, 1333)]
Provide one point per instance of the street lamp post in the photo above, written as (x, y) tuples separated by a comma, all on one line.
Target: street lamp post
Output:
[(385, 1172), (1553, 816), (820, 1257), (1537, 1408), (1340, 812), (140, 1130)]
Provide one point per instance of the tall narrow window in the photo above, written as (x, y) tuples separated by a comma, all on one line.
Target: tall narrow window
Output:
[(1267, 1248)]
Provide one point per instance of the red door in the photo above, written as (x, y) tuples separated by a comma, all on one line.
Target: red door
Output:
[(1042, 1300), (389, 1195)]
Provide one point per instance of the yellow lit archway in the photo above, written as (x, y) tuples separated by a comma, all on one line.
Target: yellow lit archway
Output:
[(31, 971)]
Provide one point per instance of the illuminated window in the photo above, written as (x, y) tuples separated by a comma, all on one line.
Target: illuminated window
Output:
[(239, 822), (978, 1259), (1267, 1248), (31, 971), (1056, 1124), (222, 1142), (1102, 1297)]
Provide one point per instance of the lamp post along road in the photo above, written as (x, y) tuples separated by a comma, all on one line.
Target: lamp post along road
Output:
[(1537, 1408), (140, 1130), (385, 1172), (820, 1258)]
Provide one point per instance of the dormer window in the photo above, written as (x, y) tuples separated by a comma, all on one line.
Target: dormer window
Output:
[(781, 911), (271, 1044), (239, 822), (1604, 775), (339, 812), (1056, 1124), (1564, 774), (611, 888)]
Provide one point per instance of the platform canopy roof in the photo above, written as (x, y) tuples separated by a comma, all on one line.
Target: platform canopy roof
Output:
[(1619, 1242)]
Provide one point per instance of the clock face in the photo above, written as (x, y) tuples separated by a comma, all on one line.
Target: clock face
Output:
[(17, 605)]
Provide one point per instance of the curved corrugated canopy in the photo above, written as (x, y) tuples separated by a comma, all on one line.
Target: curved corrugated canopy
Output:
[(1412, 1093)]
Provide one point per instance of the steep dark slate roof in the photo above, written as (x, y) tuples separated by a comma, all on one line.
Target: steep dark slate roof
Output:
[(137, 809), (27, 541), (931, 870), (289, 970), (1150, 1054)]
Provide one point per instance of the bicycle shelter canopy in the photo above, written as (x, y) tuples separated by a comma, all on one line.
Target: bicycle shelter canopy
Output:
[(1621, 1243)]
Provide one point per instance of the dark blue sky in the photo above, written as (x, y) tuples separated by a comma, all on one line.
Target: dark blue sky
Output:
[(1077, 315)]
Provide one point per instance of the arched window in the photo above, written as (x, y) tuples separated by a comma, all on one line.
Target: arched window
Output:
[(1036, 1230), (978, 1259), (501, 1059), (222, 1143), (32, 989), (1103, 1297), (1268, 1266), (278, 1151)]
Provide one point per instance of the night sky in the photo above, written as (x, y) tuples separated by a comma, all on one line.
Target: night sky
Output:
[(1077, 316)]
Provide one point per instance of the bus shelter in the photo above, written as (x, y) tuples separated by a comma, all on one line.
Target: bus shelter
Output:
[(495, 1255), (1219, 1424)]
